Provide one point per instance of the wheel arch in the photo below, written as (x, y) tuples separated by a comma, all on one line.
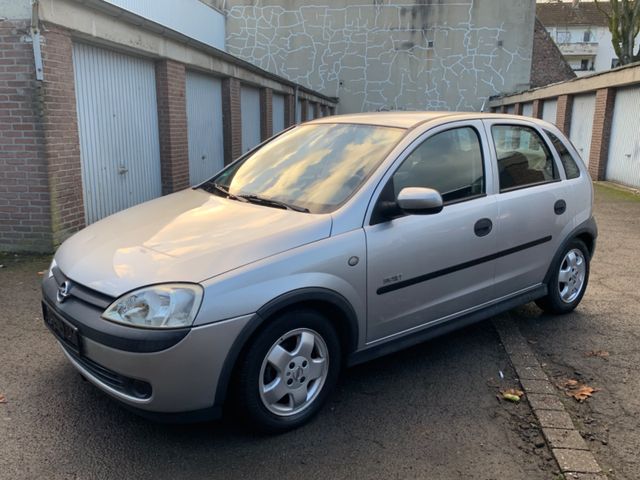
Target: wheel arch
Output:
[(336, 308), (587, 232)]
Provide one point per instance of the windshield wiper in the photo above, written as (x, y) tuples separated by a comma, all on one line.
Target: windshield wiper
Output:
[(270, 202), (222, 189)]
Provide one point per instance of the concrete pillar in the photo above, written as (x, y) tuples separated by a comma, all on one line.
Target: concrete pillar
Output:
[(563, 114), (266, 113), (601, 133), (172, 125), (231, 119), (537, 109), (61, 138)]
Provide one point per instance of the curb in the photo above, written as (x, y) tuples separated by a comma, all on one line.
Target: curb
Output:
[(568, 447)]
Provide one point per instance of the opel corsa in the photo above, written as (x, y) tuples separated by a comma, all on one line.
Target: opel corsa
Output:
[(337, 241)]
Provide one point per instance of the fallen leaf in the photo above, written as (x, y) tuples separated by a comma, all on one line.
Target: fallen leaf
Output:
[(597, 353), (2, 399), (41, 273), (577, 390), (512, 394), (583, 393)]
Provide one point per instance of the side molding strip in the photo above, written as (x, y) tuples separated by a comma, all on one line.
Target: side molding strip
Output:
[(460, 266)]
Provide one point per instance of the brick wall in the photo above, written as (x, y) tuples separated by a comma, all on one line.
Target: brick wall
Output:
[(601, 136), (266, 113), (231, 119), (24, 186), (172, 125), (547, 62), (289, 110), (563, 113), (60, 125)]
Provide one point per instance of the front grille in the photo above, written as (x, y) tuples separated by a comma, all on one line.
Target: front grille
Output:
[(128, 386), (82, 293)]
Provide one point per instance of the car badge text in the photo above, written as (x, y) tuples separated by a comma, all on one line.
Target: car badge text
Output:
[(64, 290)]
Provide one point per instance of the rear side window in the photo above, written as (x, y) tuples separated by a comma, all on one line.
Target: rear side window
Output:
[(524, 159), (568, 162), (449, 161)]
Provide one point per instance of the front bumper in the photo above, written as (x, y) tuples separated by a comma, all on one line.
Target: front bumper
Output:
[(183, 377)]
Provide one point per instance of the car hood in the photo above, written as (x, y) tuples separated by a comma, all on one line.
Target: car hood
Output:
[(188, 236)]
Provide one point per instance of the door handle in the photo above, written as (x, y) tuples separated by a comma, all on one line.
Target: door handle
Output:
[(560, 207), (483, 227)]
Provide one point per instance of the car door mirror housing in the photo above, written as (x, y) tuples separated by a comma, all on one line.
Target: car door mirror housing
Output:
[(419, 201)]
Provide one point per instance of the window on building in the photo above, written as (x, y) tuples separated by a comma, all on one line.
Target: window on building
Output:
[(450, 162), (584, 64), (615, 62), (563, 36), (586, 37), (568, 162), (523, 158)]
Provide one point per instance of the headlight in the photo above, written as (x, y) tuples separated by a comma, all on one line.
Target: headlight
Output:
[(51, 267), (160, 306)]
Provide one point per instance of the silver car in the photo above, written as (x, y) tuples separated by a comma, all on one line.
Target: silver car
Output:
[(337, 241)]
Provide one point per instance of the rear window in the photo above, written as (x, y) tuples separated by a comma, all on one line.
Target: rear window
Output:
[(524, 159), (568, 162)]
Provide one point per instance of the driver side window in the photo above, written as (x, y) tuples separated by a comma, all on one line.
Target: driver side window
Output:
[(449, 161)]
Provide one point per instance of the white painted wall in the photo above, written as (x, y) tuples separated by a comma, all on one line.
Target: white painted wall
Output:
[(189, 17)]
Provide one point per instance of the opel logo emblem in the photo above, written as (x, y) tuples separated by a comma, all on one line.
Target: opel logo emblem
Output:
[(64, 290)]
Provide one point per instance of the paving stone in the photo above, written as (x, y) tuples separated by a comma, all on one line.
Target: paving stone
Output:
[(544, 402), (584, 476), (531, 372), (537, 386), (554, 419), (580, 461), (561, 438), (523, 360)]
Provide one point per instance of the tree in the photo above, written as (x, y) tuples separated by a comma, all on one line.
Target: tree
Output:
[(624, 25)]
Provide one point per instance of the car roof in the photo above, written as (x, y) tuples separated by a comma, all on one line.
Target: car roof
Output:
[(401, 119)]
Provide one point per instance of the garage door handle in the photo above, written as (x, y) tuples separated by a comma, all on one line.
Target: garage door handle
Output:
[(483, 227), (560, 207)]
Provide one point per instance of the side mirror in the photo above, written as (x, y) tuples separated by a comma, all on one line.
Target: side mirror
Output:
[(419, 201)]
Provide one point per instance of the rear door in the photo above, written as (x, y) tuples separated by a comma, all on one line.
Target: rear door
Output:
[(423, 269), (531, 203)]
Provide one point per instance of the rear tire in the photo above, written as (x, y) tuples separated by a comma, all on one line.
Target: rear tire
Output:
[(288, 371), (568, 282)]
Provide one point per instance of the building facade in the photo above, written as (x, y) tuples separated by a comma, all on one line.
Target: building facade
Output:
[(582, 34), (104, 106)]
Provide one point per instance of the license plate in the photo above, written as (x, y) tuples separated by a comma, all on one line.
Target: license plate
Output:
[(62, 329)]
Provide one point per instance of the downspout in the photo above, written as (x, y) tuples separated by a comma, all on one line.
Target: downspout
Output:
[(35, 40)]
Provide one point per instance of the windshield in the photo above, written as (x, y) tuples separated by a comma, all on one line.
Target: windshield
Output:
[(312, 167)]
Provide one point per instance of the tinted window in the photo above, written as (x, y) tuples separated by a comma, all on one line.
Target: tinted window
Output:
[(523, 157), (312, 166), (568, 162), (450, 162)]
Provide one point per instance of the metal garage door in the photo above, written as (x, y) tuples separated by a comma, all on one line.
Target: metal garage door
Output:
[(298, 111), (550, 110), (582, 112), (311, 111), (624, 150), (511, 109), (204, 125), (250, 113), (118, 125), (278, 112), (527, 109)]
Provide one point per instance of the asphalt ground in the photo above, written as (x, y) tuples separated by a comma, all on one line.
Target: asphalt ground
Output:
[(599, 343), (427, 412)]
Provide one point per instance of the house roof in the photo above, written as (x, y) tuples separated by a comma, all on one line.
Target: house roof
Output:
[(564, 13)]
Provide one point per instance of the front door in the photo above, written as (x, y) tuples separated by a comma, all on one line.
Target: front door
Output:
[(423, 269)]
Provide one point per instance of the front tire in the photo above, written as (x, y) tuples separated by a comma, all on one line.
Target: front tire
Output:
[(288, 371), (568, 283)]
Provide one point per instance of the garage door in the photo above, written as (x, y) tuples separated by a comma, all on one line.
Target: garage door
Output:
[(550, 110), (278, 112), (250, 113), (527, 109), (582, 112), (118, 126), (204, 125), (624, 150)]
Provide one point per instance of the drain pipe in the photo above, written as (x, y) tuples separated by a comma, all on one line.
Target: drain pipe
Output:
[(35, 40)]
